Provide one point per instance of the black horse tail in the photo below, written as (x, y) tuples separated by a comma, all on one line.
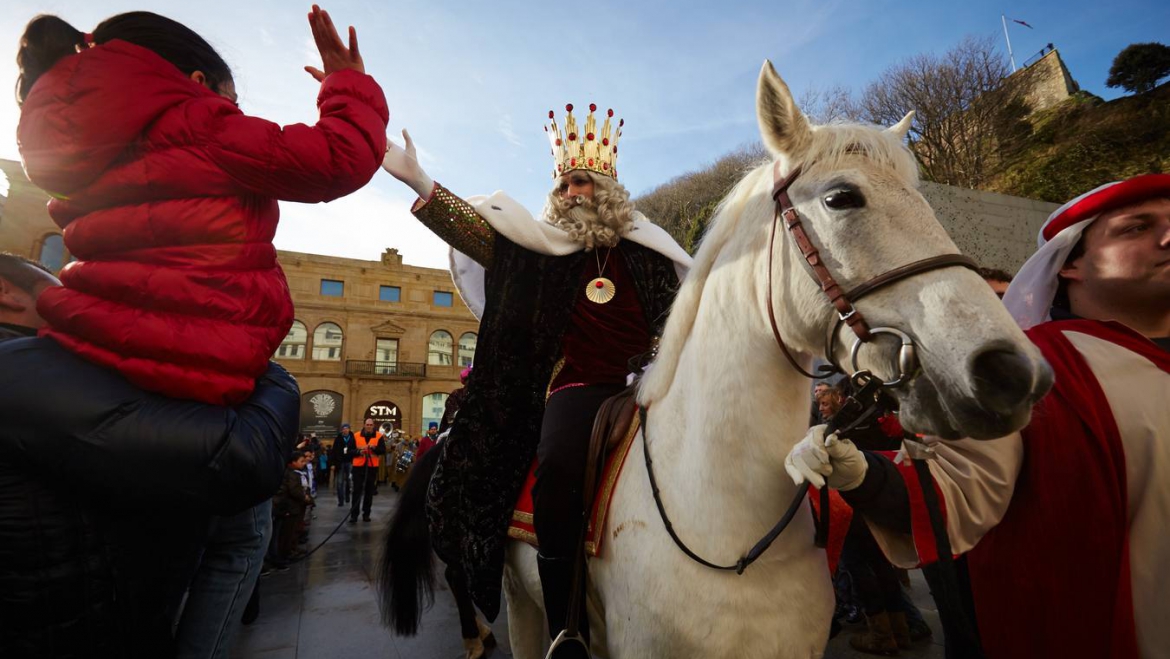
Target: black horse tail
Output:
[(406, 577)]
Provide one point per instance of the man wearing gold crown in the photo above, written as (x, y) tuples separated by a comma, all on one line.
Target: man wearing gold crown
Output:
[(564, 302)]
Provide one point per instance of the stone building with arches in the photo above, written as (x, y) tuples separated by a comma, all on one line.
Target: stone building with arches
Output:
[(371, 338), (374, 338)]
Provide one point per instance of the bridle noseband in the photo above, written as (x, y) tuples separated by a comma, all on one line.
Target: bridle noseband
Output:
[(844, 301), (847, 313)]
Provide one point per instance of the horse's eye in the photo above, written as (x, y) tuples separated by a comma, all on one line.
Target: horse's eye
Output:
[(840, 200)]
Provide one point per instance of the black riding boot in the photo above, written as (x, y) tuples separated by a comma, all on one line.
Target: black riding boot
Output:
[(556, 579)]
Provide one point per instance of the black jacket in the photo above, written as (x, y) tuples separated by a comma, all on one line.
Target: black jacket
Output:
[(342, 452), (105, 491)]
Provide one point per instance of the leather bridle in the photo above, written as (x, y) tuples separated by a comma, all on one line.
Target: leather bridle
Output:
[(844, 302), (847, 313)]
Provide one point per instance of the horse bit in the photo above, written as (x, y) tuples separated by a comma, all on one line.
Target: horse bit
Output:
[(847, 313)]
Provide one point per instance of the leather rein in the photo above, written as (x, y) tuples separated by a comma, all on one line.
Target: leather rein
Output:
[(847, 314)]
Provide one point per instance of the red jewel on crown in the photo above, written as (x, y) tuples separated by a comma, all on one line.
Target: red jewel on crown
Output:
[(605, 165), (599, 284), (609, 113), (591, 162), (572, 137), (550, 114), (605, 142), (558, 141), (621, 123), (569, 107), (572, 162), (589, 136), (593, 107)]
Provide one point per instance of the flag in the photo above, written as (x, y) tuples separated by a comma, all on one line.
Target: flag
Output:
[(1023, 23)]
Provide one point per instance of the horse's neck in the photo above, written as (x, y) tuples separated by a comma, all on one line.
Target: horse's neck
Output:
[(719, 437)]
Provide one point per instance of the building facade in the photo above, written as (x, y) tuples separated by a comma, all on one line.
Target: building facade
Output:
[(374, 338)]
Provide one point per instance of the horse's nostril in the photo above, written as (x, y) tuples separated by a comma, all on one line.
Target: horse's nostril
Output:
[(1003, 380)]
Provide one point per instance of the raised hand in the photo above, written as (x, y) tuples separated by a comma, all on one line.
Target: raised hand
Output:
[(334, 55), (402, 163)]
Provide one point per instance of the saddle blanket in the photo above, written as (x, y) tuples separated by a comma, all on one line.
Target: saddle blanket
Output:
[(521, 527)]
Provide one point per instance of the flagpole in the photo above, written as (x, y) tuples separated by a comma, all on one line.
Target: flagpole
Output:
[(1009, 42)]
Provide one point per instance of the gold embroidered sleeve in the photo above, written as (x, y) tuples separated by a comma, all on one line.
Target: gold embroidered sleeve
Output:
[(457, 223)]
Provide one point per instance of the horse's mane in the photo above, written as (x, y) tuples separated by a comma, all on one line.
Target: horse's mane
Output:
[(831, 146)]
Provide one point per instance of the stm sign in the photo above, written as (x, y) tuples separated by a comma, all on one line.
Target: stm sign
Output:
[(384, 412)]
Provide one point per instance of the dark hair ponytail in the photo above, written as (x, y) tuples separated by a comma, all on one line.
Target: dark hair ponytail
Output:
[(45, 41), (48, 38)]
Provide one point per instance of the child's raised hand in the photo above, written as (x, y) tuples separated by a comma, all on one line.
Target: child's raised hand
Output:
[(334, 55)]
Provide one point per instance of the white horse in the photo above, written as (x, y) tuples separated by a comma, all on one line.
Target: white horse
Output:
[(724, 407)]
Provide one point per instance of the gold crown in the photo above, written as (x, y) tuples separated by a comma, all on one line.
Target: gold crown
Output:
[(587, 150)]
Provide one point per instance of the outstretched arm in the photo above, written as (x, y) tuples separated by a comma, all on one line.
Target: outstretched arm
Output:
[(450, 217), (303, 163)]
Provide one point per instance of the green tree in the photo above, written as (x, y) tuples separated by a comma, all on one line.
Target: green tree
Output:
[(1139, 67)]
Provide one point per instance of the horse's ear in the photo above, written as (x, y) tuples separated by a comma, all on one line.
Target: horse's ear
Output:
[(902, 127), (782, 126)]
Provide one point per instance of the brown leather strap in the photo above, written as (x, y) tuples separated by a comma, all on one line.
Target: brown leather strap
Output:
[(843, 301), (909, 270), (772, 316), (792, 222)]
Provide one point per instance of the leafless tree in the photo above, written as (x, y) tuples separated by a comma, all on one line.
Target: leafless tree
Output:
[(825, 105), (968, 109), (684, 204)]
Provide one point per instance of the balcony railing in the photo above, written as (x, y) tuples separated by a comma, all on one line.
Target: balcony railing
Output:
[(374, 369)]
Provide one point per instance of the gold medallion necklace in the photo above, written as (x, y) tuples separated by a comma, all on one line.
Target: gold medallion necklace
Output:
[(601, 289)]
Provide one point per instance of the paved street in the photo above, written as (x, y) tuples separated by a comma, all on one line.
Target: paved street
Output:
[(324, 607)]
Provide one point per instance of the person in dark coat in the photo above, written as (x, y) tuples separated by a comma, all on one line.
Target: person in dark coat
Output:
[(565, 304), (108, 493)]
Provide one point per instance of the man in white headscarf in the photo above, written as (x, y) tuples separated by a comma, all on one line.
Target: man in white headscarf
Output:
[(1064, 522)]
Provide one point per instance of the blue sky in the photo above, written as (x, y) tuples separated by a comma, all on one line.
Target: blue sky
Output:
[(473, 81)]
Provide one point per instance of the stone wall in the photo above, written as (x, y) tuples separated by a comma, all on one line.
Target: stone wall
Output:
[(996, 230), (1047, 82)]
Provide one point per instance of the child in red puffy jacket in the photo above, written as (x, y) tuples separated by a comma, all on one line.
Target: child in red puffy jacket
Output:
[(167, 194)]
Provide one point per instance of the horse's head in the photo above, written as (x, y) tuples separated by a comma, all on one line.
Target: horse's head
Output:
[(857, 199), (857, 194)]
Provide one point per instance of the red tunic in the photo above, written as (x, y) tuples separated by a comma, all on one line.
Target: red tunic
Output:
[(167, 195), (602, 338), (1053, 577)]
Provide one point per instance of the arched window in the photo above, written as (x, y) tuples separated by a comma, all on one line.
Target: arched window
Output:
[(293, 345), (432, 411), (439, 350), (467, 348), (52, 254), (327, 342)]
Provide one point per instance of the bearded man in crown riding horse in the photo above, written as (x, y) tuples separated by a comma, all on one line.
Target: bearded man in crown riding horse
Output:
[(564, 304)]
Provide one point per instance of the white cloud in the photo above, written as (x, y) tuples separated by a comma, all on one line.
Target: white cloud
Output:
[(266, 37), (360, 226), (504, 126)]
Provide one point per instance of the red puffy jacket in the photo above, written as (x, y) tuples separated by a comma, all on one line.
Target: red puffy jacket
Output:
[(167, 195)]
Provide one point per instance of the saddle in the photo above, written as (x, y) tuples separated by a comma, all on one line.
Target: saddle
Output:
[(614, 429)]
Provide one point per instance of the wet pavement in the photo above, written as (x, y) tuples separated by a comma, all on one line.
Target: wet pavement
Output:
[(325, 606)]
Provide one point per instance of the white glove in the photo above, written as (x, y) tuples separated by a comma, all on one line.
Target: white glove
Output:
[(402, 163), (818, 460)]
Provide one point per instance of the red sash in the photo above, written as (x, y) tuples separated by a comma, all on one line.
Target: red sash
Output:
[(1052, 578)]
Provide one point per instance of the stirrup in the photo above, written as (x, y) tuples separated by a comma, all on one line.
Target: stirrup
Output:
[(563, 638)]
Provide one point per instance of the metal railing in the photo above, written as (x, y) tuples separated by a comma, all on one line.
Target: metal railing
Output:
[(375, 369)]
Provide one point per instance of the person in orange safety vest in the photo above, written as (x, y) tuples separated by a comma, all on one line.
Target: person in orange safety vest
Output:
[(369, 444)]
